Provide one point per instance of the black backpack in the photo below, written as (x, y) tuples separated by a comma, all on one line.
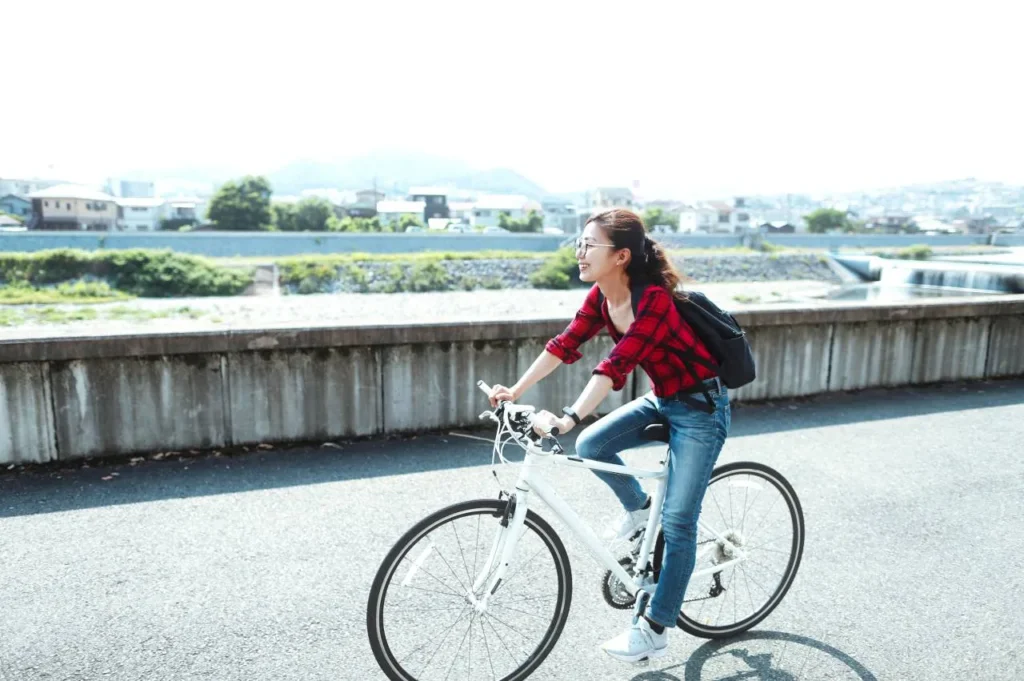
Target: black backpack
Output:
[(720, 333)]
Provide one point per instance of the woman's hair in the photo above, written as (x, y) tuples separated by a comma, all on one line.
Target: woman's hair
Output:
[(648, 262)]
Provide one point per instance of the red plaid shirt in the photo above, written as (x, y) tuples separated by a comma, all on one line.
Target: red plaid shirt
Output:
[(653, 341)]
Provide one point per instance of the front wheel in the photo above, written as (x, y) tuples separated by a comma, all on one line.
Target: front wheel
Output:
[(421, 619)]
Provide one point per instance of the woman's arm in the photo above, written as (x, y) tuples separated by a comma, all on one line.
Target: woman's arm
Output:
[(541, 367)]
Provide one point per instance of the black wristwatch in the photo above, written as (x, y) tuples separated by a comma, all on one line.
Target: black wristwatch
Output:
[(571, 414)]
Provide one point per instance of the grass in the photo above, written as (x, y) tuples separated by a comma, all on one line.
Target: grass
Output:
[(15, 316), (79, 292)]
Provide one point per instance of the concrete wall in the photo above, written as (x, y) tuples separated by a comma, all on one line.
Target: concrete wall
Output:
[(79, 397), (255, 244)]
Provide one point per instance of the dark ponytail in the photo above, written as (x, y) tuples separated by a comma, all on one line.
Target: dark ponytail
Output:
[(649, 262)]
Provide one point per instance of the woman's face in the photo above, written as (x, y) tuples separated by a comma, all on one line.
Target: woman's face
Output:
[(596, 255)]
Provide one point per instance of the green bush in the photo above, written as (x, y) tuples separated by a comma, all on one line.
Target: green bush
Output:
[(149, 273), (428, 276), (493, 283), (915, 252), (560, 270), (467, 283)]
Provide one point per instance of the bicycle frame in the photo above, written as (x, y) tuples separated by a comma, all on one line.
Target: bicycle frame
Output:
[(531, 481)]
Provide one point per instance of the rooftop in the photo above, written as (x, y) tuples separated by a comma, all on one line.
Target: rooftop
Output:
[(72, 191)]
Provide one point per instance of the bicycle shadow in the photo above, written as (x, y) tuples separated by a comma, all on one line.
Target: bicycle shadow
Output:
[(747, 657)]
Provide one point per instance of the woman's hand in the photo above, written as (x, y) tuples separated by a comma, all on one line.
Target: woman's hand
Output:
[(544, 421), (499, 393)]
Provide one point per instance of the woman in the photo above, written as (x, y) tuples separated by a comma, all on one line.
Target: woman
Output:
[(615, 253)]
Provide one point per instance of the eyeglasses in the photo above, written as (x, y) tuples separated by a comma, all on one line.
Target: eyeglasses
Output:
[(582, 245)]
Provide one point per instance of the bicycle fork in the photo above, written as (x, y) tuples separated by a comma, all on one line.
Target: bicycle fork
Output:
[(503, 548)]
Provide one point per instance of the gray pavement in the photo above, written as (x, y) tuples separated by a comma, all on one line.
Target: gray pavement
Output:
[(258, 566)]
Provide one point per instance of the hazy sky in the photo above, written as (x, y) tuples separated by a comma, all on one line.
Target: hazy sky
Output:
[(731, 97)]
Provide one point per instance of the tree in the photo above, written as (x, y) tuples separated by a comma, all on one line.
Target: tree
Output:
[(533, 222), (826, 219), (405, 222), (242, 205), (351, 224), (657, 216), (312, 214), (284, 215)]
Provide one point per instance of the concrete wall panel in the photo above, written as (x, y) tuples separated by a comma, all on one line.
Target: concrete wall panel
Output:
[(872, 354), (26, 415), (1006, 347), (138, 405), (950, 349), (790, 360), (309, 394)]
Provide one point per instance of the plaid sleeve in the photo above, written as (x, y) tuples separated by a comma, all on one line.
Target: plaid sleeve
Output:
[(646, 332), (587, 322)]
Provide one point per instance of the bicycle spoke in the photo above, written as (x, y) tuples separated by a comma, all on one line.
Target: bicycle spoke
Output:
[(524, 598), (436, 579), (487, 647), (769, 541), (523, 564), (441, 556), (443, 639), (508, 626), (529, 614), (500, 639), (455, 659), (430, 638), (476, 545), (770, 509), (465, 564)]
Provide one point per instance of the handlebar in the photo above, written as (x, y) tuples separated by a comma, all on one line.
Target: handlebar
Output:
[(552, 434)]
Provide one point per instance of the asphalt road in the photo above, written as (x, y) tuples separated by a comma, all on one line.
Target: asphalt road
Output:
[(258, 566)]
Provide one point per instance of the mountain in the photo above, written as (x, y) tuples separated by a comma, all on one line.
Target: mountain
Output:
[(395, 172)]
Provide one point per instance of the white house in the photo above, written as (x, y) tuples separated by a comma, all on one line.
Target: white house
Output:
[(699, 218), (561, 216), (141, 215), (186, 208), (392, 210), (488, 207)]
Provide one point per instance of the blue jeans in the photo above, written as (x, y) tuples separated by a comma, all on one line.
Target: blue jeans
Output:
[(695, 440)]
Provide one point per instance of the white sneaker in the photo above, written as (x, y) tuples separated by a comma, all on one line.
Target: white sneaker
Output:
[(639, 642), (628, 524)]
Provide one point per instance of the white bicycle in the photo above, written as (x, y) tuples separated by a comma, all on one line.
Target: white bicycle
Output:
[(482, 588)]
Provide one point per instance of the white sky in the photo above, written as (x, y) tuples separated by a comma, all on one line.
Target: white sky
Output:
[(731, 97)]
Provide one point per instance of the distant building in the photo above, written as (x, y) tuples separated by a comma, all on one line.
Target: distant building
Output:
[(130, 189), (732, 216), (561, 215), (23, 188), (893, 223), (604, 198), (141, 215), (9, 224), (435, 200), (488, 207), (391, 211), (369, 196), (777, 227), (699, 218), (17, 206), (187, 208), (73, 207)]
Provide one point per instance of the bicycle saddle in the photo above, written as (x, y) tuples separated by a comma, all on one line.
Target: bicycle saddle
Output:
[(656, 432)]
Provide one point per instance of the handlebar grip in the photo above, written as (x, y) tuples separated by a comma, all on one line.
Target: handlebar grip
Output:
[(483, 386)]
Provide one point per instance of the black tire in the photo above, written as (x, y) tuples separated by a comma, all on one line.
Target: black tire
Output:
[(493, 508), (774, 478)]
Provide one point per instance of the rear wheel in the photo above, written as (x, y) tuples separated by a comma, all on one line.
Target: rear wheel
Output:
[(757, 509), (420, 618)]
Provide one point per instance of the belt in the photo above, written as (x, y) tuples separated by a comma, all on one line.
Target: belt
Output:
[(709, 384), (705, 388)]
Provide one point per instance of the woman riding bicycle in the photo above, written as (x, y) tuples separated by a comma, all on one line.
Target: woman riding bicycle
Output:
[(615, 253)]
